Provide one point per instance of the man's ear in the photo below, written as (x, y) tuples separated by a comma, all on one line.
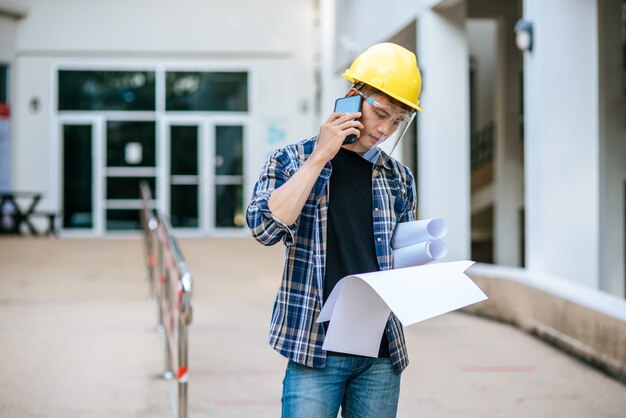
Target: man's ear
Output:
[(352, 92)]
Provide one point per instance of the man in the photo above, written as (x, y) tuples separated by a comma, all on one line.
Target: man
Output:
[(335, 207)]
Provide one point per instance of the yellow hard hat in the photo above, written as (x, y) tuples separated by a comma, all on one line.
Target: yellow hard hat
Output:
[(391, 69)]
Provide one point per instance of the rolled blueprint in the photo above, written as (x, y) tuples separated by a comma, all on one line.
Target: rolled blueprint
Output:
[(418, 254), (409, 233)]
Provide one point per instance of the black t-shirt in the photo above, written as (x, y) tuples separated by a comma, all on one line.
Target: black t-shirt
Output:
[(350, 231)]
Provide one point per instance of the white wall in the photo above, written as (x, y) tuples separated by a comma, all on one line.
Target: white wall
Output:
[(162, 26), (8, 26), (561, 143), (31, 130)]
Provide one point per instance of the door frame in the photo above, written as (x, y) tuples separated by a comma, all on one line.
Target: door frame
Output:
[(206, 174)]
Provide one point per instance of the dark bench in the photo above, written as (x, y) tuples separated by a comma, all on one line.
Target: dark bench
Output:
[(16, 207), (51, 216)]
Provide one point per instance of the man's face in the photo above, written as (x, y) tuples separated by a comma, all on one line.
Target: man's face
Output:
[(380, 118)]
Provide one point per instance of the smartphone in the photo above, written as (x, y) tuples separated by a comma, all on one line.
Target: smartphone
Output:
[(349, 104)]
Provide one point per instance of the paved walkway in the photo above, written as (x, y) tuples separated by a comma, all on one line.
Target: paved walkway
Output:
[(78, 340)]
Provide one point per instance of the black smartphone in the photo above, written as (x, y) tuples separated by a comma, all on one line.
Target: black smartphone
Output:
[(349, 104)]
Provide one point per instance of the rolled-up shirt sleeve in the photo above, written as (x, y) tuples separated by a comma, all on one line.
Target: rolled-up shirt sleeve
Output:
[(266, 228)]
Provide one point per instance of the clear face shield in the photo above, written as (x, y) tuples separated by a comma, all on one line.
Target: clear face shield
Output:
[(385, 123)]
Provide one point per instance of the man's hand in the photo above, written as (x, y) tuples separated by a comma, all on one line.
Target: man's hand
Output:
[(332, 134), (287, 201)]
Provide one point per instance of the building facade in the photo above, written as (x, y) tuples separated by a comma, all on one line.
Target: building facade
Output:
[(523, 153), (190, 97)]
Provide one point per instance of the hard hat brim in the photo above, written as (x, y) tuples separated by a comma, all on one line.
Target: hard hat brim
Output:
[(402, 100)]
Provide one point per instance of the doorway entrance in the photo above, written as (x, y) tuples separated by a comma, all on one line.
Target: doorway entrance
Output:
[(182, 132)]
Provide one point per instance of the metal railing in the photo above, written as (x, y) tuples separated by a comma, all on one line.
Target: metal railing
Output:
[(171, 287)]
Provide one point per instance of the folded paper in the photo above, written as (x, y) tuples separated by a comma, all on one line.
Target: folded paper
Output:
[(359, 306)]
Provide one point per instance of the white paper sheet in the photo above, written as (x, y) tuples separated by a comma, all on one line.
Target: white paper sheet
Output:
[(355, 302), (408, 233), (418, 254), (359, 305)]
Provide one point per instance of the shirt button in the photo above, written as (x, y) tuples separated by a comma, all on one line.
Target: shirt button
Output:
[(375, 209), (379, 239)]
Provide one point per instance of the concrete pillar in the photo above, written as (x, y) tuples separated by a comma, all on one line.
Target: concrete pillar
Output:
[(331, 84), (562, 140), (443, 128)]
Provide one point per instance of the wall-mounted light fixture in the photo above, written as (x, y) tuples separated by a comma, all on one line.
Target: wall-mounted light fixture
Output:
[(524, 35), (34, 104)]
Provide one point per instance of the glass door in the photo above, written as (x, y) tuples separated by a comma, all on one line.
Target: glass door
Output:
[(184, 202), (204, 174), (77, 181), (228, 184), (79, 141), (129, 159)]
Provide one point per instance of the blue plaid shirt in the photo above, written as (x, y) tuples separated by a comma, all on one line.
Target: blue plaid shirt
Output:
[(293, 331)]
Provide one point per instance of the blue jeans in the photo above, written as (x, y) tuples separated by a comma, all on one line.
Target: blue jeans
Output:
[(363, 387)]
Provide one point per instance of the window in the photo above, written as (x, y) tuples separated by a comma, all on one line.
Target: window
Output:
[(184, 181), (229, 176), (106, 90), (183, 149), (130, 144), (214, 91)]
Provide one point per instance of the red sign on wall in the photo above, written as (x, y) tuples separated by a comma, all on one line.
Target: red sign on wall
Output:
[(4, 110)]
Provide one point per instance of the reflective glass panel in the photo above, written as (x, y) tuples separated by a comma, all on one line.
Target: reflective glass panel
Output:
[(184, 206), (214, 91), (229, 150), (106, 90), (77, 177), (229, 206), (4, 83), (128, 187), (184, 150), (130, 144), (123, 219)]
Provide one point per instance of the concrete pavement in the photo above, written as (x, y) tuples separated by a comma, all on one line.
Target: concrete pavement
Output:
[(77, 332)]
